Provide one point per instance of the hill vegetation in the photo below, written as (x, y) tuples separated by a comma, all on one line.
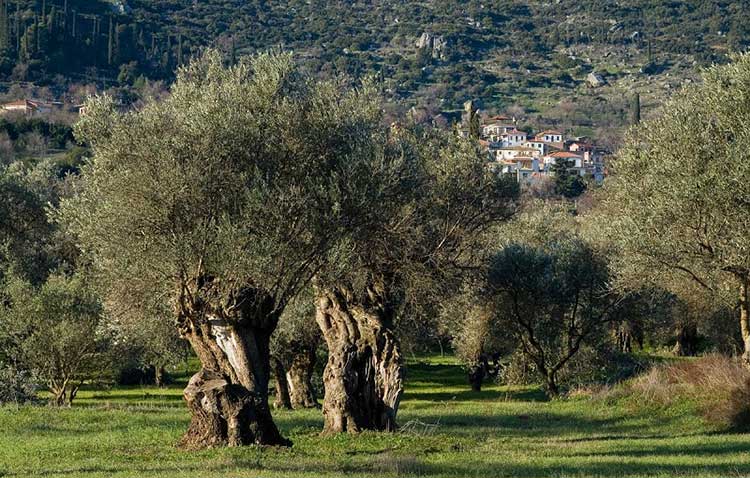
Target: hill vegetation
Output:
[(530, 54)]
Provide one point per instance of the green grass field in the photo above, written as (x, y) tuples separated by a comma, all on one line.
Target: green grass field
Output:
[(447, 431)]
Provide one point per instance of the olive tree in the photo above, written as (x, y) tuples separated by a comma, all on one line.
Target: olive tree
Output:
[(479, 342), (219, 201), (56, 332), (552, 298), (404, 241), (294, 353), (679, 202)]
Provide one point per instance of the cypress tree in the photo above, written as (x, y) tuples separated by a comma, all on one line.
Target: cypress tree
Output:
[(52, 20), (38, 33), (110, 43), (635, 109), (3, 25), (18, 26), (179, 49)]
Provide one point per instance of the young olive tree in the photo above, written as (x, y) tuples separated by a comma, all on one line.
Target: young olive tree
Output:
[(553, 298), (56, 330), (405, 239), (679, 202), (219, 201)]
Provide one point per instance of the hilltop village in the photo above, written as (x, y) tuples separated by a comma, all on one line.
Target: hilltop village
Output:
[(531, 157)]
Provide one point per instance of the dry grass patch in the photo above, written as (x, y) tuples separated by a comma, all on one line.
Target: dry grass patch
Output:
[(718, 386)]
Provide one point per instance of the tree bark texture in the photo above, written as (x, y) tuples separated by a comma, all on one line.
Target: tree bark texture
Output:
[(299, 378), (686, 343), (363, 378), (745, 321), (476, 376), (228, 397), (282, 387)]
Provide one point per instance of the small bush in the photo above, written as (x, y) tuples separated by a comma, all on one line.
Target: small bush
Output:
[(718, 386), (592, 366)]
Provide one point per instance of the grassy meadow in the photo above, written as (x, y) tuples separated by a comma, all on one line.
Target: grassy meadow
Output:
[(447, 431)]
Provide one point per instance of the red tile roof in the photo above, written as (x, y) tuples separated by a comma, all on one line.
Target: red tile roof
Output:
[(565, 154)]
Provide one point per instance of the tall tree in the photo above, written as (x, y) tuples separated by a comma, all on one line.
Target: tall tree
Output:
[(110, 42), (220, 200), (679, 203), (635, 109), (405, 240)]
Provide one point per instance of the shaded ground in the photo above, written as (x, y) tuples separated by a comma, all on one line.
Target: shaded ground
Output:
[(452, 431)]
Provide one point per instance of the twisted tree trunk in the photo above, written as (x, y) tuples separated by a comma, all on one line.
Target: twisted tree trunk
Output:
[(745, 321), (686, 341), (299, 378), (283, 400), (477, 373), (363, 376), (228, 397)]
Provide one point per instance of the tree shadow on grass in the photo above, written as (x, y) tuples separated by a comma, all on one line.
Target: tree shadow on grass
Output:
[(419, 465), (523, 395)]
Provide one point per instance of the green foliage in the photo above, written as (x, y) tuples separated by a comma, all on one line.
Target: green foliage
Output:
[(243, 174), (675, 203), (568, 183), (54, 331), (550, 290)]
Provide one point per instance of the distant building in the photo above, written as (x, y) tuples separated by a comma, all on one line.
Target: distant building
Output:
[(550, 136), (29, 108)]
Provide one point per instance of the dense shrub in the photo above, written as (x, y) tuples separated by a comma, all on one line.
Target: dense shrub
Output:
[(591, 366), (717, 386)]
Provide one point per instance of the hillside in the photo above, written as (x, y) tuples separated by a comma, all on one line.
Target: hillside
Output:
[(532, 54)]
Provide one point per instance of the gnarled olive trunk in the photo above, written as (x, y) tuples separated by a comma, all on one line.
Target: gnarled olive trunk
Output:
[(299, 378), (477, 373), (745, 321), (283, 400), (686, 343), (228, 397), (363, 376)]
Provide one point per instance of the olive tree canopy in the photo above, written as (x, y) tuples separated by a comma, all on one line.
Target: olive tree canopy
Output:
[(679, 202), (399, 256), (220, 201)]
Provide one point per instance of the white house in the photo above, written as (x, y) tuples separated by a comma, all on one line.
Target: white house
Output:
[(550, 136), (513, 137)]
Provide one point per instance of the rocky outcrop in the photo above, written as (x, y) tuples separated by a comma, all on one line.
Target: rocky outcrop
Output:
[(437, 45)]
